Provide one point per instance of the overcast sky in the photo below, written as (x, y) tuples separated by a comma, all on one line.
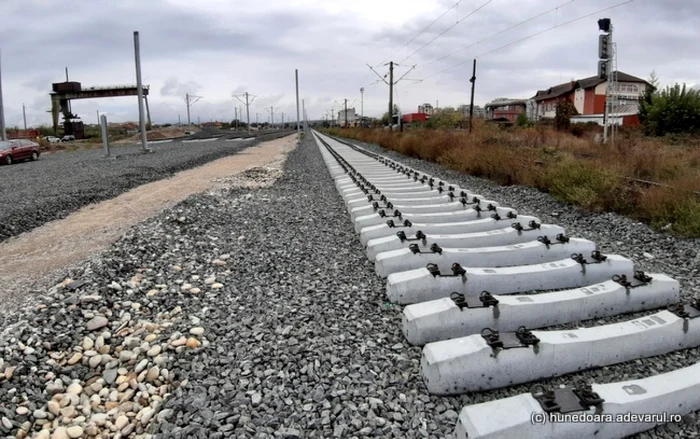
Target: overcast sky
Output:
[(216, 48)]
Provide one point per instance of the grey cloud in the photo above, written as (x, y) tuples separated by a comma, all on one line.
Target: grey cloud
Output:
[(172, 87), (181, 44)]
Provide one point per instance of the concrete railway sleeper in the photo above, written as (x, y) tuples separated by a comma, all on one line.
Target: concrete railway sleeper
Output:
[(384, 215), (460, 315), (456, 309), (453, 206), (391, 227), (621, 409), (526, 253), (436, 282), (514, 234), (491, 360)]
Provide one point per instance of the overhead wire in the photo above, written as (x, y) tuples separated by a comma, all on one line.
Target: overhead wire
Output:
[(421, 32), (530, 36), (499, 32), (446, 30)]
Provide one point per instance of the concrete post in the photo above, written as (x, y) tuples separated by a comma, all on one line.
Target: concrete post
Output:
[(139, 86), (296, 77), (105, 139)]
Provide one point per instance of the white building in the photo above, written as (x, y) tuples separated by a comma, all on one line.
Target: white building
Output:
[(589, 95), (350, 118), (425, 108)]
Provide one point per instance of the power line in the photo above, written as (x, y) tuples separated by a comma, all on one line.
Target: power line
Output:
[(425, 29), (530, 36), (445, 31), (499, 32)]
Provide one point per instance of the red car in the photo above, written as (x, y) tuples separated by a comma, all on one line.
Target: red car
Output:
[(18, 150)]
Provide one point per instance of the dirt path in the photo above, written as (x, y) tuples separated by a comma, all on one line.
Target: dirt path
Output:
[(34, 260)]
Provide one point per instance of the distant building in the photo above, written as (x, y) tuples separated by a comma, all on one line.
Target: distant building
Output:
[(350, 118), (589, 97), (415, 117), (426, 109), (478, 111), (506, 109)]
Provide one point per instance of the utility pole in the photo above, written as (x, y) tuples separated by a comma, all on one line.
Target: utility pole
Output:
[(391, 84), (235, 116), (303, 109), (605, 70), (139, 86), (247, 110), (272, 116), (283, 120), (362, 106), (346, 113), (188, 99), (98, 117), (296, 78), (3, 135), (178, 120), (471, 102), (391, 95), (24, 116)]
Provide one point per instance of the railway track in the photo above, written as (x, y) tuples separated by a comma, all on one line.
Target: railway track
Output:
[(486, 291)]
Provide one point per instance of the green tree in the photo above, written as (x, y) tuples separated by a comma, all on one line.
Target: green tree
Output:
[(241, 124), (673, 110), (522, 120), (385, 117), (564, 110), (445, 118)]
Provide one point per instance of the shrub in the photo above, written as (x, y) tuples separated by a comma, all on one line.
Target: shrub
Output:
[(522, 120), (674, 110), (574, 169), (585, 184)]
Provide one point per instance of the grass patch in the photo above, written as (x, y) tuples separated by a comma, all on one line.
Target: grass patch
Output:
[(573, 168)]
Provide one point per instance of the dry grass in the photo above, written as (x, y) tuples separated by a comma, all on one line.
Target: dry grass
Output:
[(572, 168)]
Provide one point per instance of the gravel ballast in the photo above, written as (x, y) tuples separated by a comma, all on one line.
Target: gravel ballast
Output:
[(33, 193), (255, 313)]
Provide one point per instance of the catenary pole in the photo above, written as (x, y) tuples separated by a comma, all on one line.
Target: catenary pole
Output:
[(139, 86), (296, 79), (391, 95), (471, 101), (3, 132)]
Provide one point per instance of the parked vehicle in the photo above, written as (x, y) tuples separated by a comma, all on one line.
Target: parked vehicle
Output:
[(18, 150), (52, 139), (68, 138)]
